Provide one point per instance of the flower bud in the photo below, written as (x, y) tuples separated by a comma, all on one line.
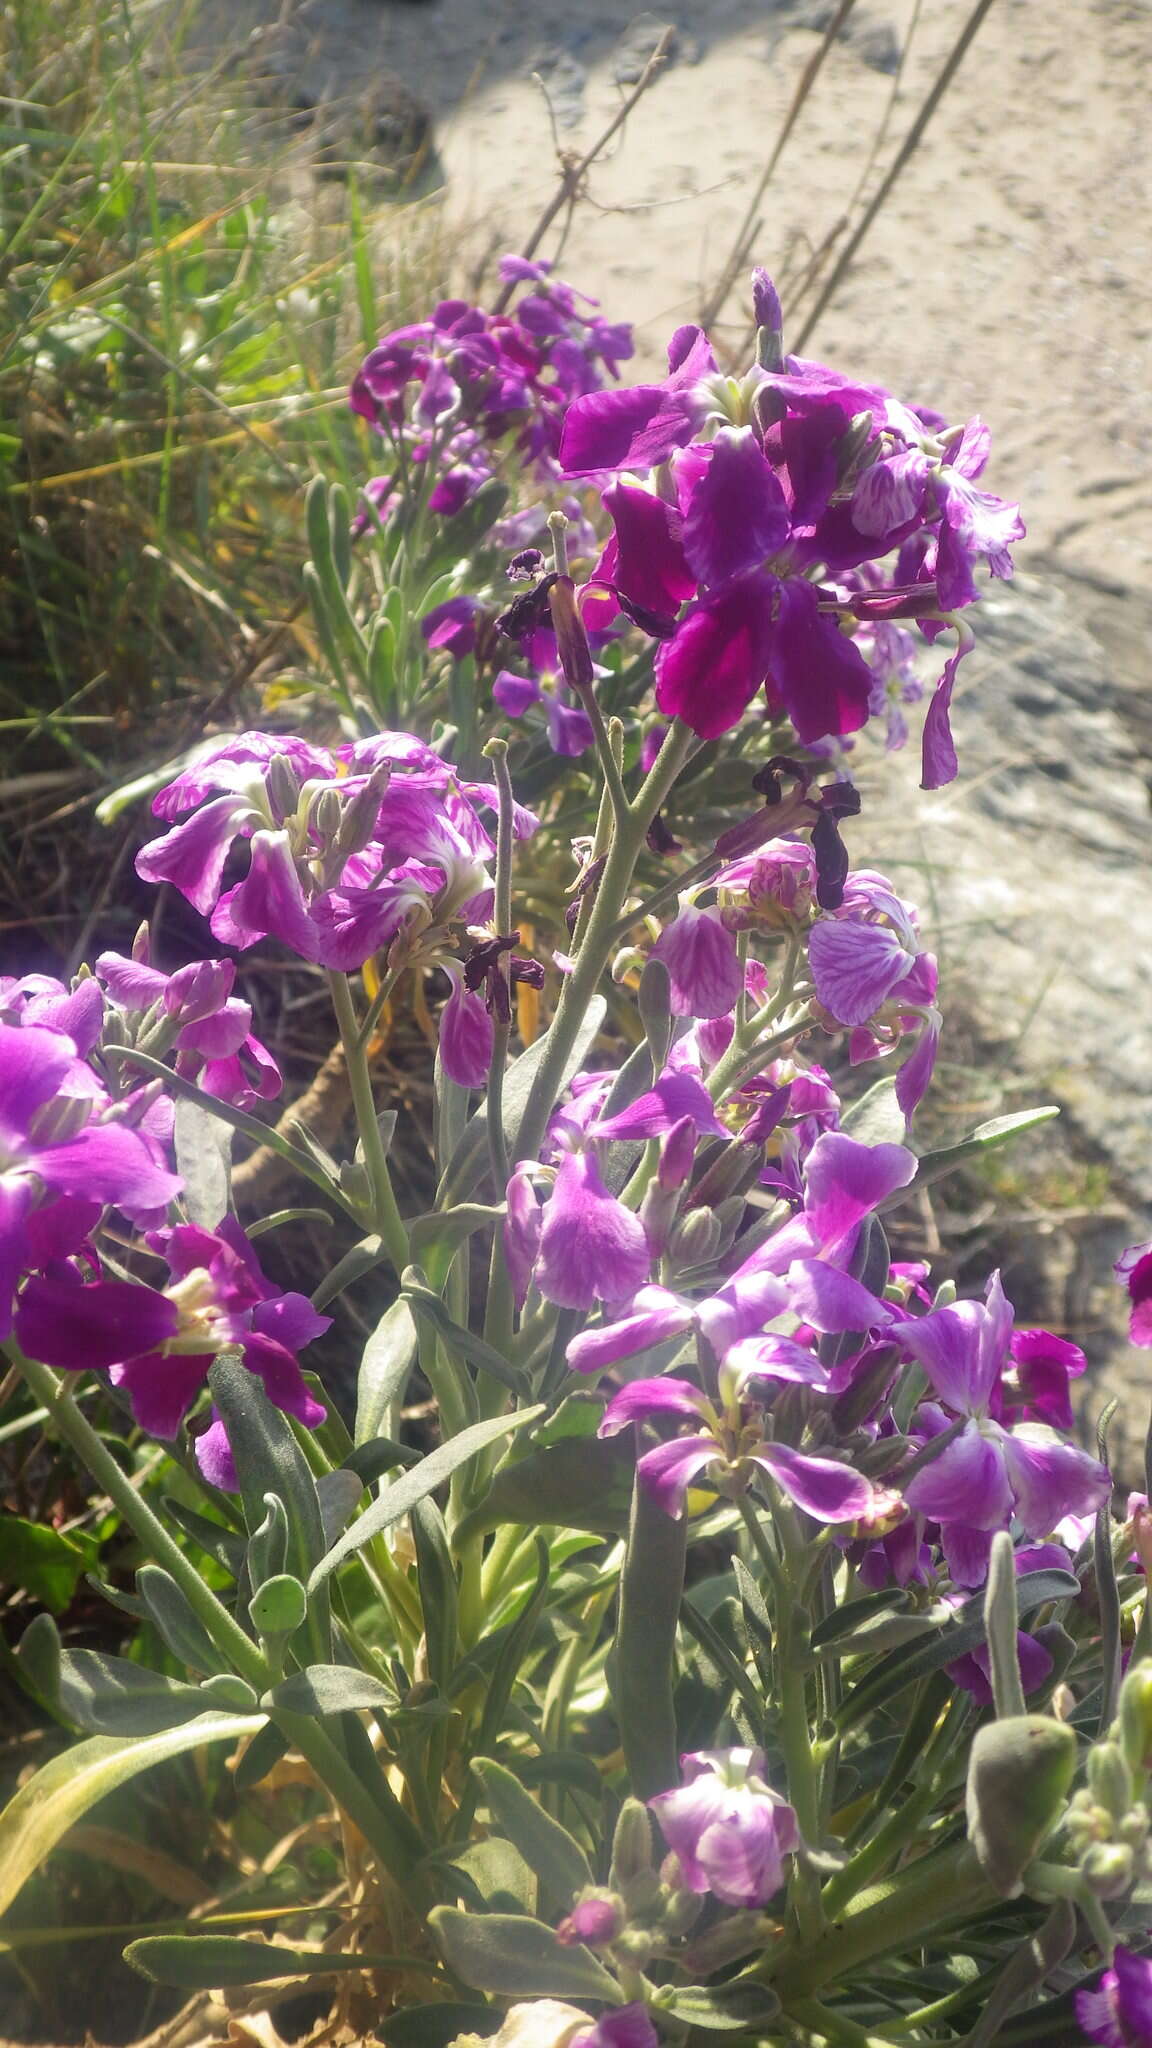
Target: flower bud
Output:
[(1132, 1827), (282, 787), (1109, 1778), (1136, 1715), (695, 1239), (1108, 1869), (1019, 1774), (681, 1912), (596, 1919)]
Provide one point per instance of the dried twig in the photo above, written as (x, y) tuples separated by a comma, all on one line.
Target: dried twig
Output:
[(573, 169), (750, 225), (903, 156)]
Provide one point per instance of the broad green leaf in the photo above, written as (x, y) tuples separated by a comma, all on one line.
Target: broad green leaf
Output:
[(515, 1957), (268, 1460), (206, 1962), (278, 1606), (415, 1485), (644, 1674), (558, 1860), (329, 1689), (60, 1794), (436, 2026), (384, 1368), (42, 1562), (577, 1483), (986, 1138), (499, 1876), (110, 1696), (177, 1620), (877, 1119)]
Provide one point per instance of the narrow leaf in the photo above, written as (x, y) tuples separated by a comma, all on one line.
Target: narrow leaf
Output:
[(329, 1689), (50, 1803), (204, 1159), (423, 1479), (207, 1962), (384, 1368)]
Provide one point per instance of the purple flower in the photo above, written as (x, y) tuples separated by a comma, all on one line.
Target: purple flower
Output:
[(701, 958), (639, 427), (1118, 2013), (974, 1670), (194, 1014), (989, 1473), (591, 1247), (60, 1136), (825, 1489), (375, 848), (1134, 1268), (466, 1033), (729, 1831), (159, 1346), (870, 973)]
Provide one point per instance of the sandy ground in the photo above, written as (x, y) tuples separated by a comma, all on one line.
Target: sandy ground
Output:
[(1008, 273)]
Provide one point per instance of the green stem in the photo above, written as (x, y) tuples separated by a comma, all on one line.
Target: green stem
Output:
[(385, 1213), (893, 1917), (596, 946), (225, 1632)]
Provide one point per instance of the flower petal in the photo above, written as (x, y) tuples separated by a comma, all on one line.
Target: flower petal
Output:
[(827, 1491)]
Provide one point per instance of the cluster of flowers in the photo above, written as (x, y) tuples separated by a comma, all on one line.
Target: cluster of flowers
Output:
[(451, 390), (730, 1835), (750, 519), (71, 1149)]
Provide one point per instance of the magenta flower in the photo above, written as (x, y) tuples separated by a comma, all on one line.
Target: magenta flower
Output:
[(729, 1831), (59, 1137), (989, 1473), (591, 1247), (622, 2026), (375, 848), (194, 1014), (466, 1032), (733, 1442), (1118, 2013), (701, 958), (1134, 1267), (871, 974), (159, 1346), (639, 427)]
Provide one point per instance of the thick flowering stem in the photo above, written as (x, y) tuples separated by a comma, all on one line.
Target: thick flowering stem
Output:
[(800, 1764), (385, 1214), (497, 752), (597, 942), (891, 1917)]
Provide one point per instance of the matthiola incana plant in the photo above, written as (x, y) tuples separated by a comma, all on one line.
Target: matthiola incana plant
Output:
[(703, 1621)]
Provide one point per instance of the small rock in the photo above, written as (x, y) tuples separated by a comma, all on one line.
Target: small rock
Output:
[(874, 42)]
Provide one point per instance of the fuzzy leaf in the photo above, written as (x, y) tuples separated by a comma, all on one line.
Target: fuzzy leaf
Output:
[(204, 1159), (208, 1962), (329, 1689), (557, 1859), (58, 1796), (1019, 1775), (515, 1957), (384, 1369)]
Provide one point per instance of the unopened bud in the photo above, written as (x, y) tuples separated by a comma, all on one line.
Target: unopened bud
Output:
[(1136, 1715), (695, 1240), (769, 321), (677, 1152), (631, 1844), (282, 787), (1132, 1827), (596, 1919), (681, 1912), (360, 813), (1019, 1776), (142, 945), (1109, 1778), (1108, 1869)]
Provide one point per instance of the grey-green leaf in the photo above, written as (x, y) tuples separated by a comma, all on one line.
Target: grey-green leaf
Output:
[(384, 1369), (329, 1689), (556, 1857), (515, 1957), (422, 1480), (110, 1696)]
